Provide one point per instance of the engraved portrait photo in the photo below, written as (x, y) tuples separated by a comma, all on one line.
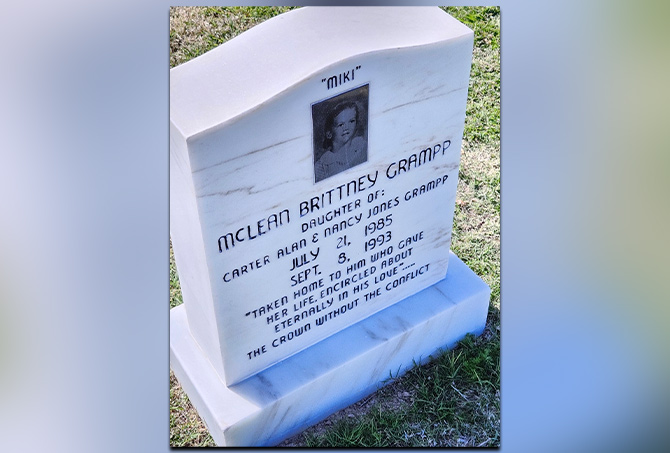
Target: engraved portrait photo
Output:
[(340, 132)]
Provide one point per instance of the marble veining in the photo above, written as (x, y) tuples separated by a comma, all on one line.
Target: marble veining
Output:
[(339, 370)]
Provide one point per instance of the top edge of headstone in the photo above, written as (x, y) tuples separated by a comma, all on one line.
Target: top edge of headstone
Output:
[(279, 53)]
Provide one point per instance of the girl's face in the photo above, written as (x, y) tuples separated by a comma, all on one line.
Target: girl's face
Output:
[(344, 126)]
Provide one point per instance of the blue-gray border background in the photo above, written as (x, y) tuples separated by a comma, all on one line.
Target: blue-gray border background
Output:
[(84, 230)]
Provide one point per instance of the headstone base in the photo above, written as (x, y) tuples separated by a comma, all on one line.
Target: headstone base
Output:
[(309, 386)]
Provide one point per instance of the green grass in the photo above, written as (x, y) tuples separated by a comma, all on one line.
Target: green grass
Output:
[(195, 30), (175, 288), (455, 399)]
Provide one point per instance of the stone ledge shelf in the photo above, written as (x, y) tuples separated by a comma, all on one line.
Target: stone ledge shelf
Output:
[(305, 388)]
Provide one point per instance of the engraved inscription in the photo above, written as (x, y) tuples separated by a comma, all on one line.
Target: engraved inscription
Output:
[(249, 232), (350, 250), (340, 79)]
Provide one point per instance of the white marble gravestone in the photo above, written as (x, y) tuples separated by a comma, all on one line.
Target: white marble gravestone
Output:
[(313, 171)]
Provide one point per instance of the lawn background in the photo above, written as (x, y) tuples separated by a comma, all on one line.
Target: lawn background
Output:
[(455, 400)]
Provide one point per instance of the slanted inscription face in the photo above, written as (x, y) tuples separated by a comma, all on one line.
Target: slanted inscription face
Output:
[(327, 218)]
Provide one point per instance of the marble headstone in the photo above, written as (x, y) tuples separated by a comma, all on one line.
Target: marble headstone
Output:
[(313, 171)]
